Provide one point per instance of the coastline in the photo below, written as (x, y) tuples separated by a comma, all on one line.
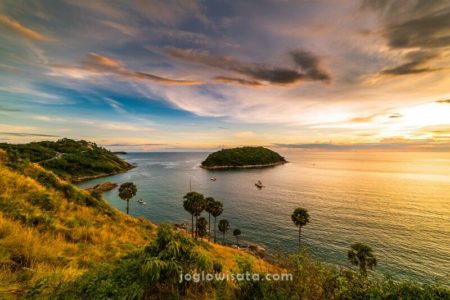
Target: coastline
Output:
[(87, 178), (244, 166)]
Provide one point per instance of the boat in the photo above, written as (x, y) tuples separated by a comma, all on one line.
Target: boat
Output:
[(213, 178), (141, 201), (259, 184)]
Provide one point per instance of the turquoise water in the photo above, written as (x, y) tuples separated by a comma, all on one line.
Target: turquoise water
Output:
[(398, 203)]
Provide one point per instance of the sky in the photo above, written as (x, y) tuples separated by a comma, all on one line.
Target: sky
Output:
[(190, 75)]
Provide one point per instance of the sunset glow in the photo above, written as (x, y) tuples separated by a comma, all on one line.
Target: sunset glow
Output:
[(164, 75)]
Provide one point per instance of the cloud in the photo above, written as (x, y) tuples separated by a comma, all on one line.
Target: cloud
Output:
[(161, 12), (415, 64), (310, 64), (9, 109), (363, 119), (104, 64), (428, 31), (395, 116), (22, 30), (390, 144), (226, 79), (416, 30), (124, 127), (22, 134), (306, 67), (47, 118)]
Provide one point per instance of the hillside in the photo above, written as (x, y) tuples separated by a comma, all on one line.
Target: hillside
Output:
[(242, 157), (69, 159), (51, 233)]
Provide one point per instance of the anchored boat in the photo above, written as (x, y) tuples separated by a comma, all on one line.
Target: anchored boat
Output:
[(259, 184)]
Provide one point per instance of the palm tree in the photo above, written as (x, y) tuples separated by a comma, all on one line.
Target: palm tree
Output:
[(361, 255), (209, 208), (194, 204), (224, 225), (217, 210), (201, 227), (127, 191), (237, 233), (300, 217)]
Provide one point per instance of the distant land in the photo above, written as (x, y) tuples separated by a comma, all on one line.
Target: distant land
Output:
[(71, 160), (120, 152), (242, 158)]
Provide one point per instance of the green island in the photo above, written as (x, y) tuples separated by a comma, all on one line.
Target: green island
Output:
[(60, 242), (242, 157), (72, 160)]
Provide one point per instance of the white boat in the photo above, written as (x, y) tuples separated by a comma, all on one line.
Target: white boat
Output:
[(213, 178), (141, 201), (259, 184)]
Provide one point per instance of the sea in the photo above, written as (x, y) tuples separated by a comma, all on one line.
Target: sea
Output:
[(397, 203)]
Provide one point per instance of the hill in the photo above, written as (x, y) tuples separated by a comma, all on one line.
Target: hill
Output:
[(243, 157), (53, 235), (69, 159)]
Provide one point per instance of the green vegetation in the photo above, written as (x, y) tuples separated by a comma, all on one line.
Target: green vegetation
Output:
[(194, 203), (243, 157), (69, 159), (51, 230), (361, 255), (224, 226), (154, 272), (127, 191), (216, 210), (300, 217), (210, 202), (201, 227)]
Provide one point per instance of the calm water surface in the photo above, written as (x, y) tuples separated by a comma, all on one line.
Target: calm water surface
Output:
[(398, 203)]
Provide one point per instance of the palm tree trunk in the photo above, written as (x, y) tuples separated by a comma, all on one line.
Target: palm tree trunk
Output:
[(128, 206), (299, 235), (223, 239), (209, 227), (196, 229), (215, 230), (192, 225)]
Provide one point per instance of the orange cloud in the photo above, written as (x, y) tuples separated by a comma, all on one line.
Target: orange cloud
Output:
[(100, 63), (22, 30), (104, 60)]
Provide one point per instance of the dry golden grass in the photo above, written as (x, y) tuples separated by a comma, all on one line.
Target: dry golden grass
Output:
[(63, 242)]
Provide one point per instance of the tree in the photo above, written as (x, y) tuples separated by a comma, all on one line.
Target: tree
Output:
[(217, 210), (194, 204), (210, 201), (224, 225), (300, 217), (237, 233), (201, 227), (361, 255), (127, 191)]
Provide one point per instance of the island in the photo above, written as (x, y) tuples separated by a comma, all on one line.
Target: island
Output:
[(242, 158)]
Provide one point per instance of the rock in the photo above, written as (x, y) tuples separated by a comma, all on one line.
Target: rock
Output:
[(103, 187)]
